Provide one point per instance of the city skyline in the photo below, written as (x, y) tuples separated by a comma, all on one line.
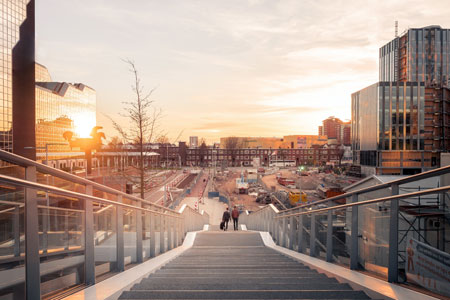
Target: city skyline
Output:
[(221, 69)]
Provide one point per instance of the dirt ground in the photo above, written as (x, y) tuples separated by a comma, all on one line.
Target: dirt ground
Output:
[(226, 184)]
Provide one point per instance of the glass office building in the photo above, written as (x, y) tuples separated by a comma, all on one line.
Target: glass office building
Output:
[(17, 76), (401, 124), (421, 54), (60, 107)]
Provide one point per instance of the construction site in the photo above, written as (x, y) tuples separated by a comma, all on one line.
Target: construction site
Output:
[(250, 189)]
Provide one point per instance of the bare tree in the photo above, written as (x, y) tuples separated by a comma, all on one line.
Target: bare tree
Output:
[(142, 118), (233, 143)]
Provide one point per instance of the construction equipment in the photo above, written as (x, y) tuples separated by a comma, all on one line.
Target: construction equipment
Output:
[(296, 197)]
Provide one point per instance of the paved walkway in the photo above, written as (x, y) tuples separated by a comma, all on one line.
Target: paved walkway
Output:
[(213, 207)]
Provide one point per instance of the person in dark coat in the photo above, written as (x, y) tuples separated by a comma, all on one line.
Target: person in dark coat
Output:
[(235, 216), (225, 218)]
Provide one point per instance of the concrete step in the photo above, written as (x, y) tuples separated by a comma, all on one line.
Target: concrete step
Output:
[(233, 294), (237, 267), (233, 266), (231, 280), (237, 273), (207, 286)]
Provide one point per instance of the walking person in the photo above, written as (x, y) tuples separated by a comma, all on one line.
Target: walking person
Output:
[(235, 216), (225, 219)]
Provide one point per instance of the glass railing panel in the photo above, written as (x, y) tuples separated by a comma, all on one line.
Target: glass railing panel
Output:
[(129, 235), (321, 235), (341, 236), (12, 170), (373, 238), (59, 182), (12, 242), (61, 242), (105, 239), (61, 220)]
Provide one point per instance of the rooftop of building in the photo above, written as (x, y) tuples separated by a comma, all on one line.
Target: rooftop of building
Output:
[(44, 80)]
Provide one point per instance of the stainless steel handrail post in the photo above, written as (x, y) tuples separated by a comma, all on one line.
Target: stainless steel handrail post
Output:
[(162, 234), (393, 238), (285, 233), (16, 230), (139, 248), (277, 231), (300, 241), (291, 232), (312, 236), (66, 230), (169, 234), (89, 251), (330, 236), (152, 235), (119, 237), (32, 261), (354, 235)]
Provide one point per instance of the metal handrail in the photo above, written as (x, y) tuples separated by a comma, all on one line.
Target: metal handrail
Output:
[(25, 162), (359, 203), (412, 178), (66, 193)]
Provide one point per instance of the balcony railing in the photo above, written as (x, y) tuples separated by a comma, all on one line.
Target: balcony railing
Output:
[(71, 232), (373, 231)]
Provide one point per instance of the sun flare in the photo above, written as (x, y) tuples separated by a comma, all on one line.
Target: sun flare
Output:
[(83, 124)]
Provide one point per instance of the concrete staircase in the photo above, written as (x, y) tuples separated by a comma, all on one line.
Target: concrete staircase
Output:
[(236, 265)]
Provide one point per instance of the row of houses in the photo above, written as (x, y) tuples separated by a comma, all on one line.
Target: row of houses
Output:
[(181, 155)]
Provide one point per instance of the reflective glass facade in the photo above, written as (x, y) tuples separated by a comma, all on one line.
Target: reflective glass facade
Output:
[(12, 15), (61, 107), (421, 54)]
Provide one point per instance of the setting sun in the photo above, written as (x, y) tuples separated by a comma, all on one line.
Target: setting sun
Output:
[(83, 124)]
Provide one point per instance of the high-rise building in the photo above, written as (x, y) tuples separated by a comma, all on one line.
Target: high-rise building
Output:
[(346, 133), (420, 54), (337, 130), (60, 107), (17, 91), (400, 125), (193, 141)]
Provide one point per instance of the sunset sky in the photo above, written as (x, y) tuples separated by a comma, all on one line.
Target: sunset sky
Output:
[(221, 68)]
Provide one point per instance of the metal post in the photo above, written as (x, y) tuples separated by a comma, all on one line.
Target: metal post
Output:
[(89, 252), (272, 225), (119, 233), (32, 261), (169, 233), (330, 236), (393, 238), (45, 225), (277, 231), (285, 232), (176, 229), (354, 235), (300, 247), (139, 249), (152, 235), (312, 235), (16, 231), (291, 232), (161, 235), (66, 229)]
